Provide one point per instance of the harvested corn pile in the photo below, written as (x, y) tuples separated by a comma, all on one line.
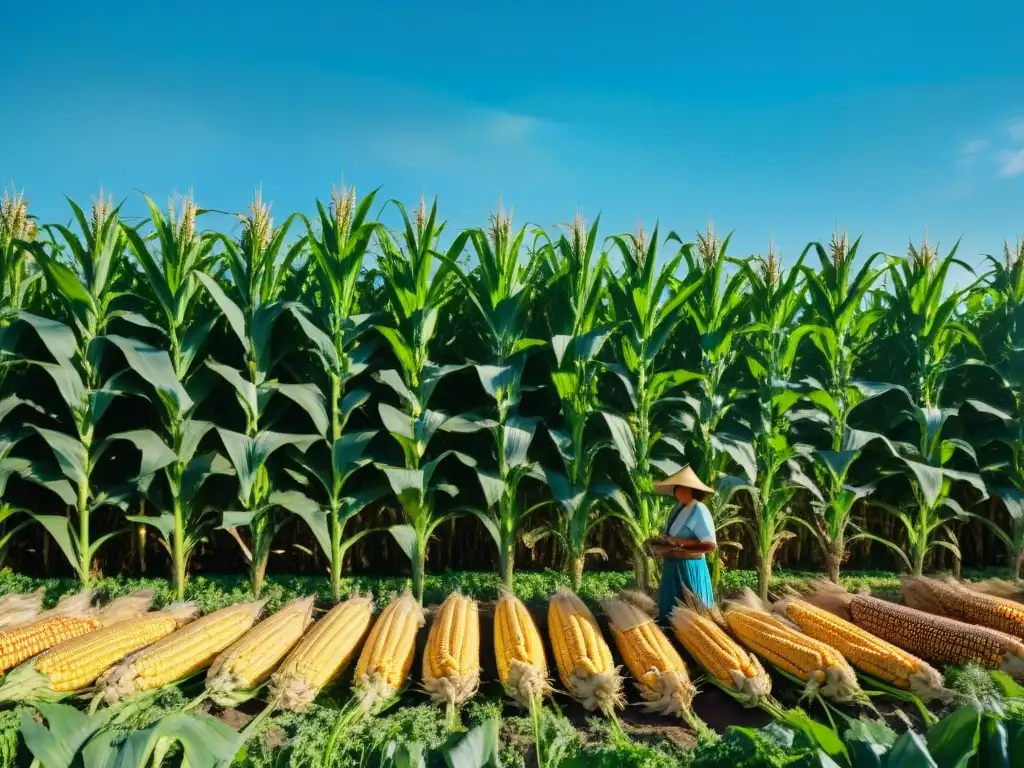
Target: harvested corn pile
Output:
[(934, 638), (733, 666), (180, 654), (71, 618), (386, 659), (863, 650), (661, 676), (582, 656), (955, 600), (820, 666), (322, 654), (519, 651), (242, 669), (451, 660), (75, 664)]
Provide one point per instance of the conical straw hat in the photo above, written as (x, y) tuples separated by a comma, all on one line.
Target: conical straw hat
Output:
[(685, 477)]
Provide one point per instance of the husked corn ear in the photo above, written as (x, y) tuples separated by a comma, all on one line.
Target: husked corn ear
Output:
[(820, 666), (582, 656), (387, 655), (863, 650), (243, 667), (723, 658), (180, 654), (957, 601), (68, 620), (660, 673), (519, 651), (935, 638), (17, 610), (76, 664), (322, 654), (451, 660)]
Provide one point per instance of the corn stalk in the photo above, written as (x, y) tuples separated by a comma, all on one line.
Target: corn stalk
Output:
[(171, 258), (648, 306), (501, 287), (842, 330), (259, 285), (418, 282), (576, 276), (336, 332)]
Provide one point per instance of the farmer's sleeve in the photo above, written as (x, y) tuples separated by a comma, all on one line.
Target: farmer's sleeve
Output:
[(702, 525)]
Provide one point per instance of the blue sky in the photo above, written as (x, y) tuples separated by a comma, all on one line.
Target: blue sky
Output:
[(888, 118)]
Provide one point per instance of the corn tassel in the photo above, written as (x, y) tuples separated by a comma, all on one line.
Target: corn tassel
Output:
[(954, 600), (70, 619), (180, 654), (387, 655), (868, 653), (934, 638), (75, 664), (519, 651), (451, 660), (582, 656), (732, 666), (322, 654), (661, 676), (241, 670), (821, 667)]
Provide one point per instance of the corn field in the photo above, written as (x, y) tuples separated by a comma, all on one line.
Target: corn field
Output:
[(330, 394)]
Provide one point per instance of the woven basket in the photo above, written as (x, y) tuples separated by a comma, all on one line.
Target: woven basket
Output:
[(669, 547)]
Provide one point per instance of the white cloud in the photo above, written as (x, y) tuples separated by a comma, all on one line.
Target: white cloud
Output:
[(1011, 162), (973, 147), (1016, 129)]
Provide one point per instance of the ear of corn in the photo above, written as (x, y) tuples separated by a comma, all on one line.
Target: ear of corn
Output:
[(238, 673), (451, 660), (955, 600), (180, 654), (863, 650), (76, 664), (820, 666), (582, 656), (72, 618), (322, 654), (934, 638), (731, 665), (661, 676), (519, 651), (16, 610), (387, 655)]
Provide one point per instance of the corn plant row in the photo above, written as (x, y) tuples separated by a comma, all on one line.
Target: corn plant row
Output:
[(334, 378)]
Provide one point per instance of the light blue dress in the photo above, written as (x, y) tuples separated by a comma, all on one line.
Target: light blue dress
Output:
[(690, 522)]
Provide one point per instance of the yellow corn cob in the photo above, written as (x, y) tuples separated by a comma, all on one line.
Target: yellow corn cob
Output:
[(519, 651), (322, 654), (76, 664), (72, 618), (934, 638), (820, 666), (18, 610), (955, 600), (582, 656), (866, 652), (387, 655), (723, 658), (180, 654), (451, 661), (660, 673), (245, 666)]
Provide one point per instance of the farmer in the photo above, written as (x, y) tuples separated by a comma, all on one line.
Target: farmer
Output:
[(689, 535)]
